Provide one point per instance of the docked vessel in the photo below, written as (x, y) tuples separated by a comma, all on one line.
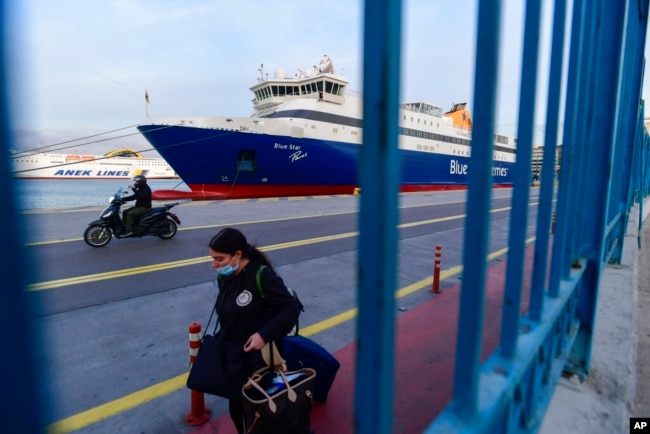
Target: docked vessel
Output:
[(119, 164), (303, 139)]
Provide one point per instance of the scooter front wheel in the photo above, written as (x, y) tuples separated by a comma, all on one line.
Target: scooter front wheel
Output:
[(97, 235)]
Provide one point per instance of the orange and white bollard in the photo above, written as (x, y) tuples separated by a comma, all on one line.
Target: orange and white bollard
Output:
[(553, 223), (435, 288), (199, 413)]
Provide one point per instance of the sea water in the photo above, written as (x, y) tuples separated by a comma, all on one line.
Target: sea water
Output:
[(71, 193)]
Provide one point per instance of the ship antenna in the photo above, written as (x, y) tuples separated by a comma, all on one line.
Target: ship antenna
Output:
[(261, 70)]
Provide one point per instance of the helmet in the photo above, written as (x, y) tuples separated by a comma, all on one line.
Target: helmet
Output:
[(140, 179)]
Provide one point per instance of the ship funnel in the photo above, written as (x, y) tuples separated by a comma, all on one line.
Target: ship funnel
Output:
[(460, 116)]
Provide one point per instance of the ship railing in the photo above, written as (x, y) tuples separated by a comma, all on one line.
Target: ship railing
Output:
[(423, 108)]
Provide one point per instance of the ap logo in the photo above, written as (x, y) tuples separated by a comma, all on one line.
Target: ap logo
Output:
[(639, 424)]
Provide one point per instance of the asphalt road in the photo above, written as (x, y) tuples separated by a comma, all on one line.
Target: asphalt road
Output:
[(114, 320)]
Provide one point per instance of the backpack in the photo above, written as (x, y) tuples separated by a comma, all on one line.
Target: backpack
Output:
[(258, 281)]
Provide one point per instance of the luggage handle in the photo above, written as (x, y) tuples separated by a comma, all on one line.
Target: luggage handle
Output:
[(291, 394)]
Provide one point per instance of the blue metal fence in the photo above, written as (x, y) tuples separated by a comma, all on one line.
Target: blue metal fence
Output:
[(20, 408), (603, 173)]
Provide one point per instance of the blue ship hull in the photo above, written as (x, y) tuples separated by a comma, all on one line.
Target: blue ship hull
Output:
[(219, 164)]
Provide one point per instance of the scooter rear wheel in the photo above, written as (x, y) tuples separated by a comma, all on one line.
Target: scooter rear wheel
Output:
[(169, 230), (97, 235)]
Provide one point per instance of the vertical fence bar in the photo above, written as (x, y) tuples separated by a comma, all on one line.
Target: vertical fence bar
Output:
[(22, 408), (632, 136), (605, 79), (378, 217), (470, 321), (559, 268), (548, 163), (625, 133), (522, 180), (585, 133)]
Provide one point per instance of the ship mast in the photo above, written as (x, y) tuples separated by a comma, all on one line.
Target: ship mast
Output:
[(261, 70)]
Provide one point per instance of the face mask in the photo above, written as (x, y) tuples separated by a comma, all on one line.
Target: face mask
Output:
[(228, 269)]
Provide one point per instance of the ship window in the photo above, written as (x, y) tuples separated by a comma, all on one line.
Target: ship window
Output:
[(275, 90), (296, 91), (246, 161), (282, 90), (328, 86)]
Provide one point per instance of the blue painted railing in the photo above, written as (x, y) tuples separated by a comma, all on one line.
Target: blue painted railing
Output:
[(20, 407), (603, 173)]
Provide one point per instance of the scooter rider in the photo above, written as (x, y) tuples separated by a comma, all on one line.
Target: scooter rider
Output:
[(142, 196)]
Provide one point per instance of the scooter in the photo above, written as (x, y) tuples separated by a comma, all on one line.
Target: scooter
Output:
[(157, 222)]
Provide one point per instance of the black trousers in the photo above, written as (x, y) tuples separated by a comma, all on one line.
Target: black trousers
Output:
[(130, 214)]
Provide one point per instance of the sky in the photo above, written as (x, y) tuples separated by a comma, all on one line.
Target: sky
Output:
[(80, 68)]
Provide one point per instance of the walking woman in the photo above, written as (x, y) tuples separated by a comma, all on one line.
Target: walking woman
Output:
[(247, 318)]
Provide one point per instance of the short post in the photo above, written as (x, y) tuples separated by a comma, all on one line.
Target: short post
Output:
[(199, 413), (435, 288), (553, 223)]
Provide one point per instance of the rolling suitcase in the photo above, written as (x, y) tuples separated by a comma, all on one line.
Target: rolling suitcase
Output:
[(302, 352)]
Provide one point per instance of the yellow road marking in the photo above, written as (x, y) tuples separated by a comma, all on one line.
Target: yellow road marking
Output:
[(115, 407), (110, 409), (193, 261)]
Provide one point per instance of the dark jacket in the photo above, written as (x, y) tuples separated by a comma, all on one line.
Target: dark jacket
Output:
[(242, 311), (141, 195)]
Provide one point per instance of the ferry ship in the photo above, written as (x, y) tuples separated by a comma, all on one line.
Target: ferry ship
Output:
[(118, 164), (303, 139)]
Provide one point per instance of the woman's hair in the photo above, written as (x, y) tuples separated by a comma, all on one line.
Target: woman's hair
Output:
[(229, 240)]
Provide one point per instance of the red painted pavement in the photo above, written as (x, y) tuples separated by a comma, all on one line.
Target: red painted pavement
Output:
[(424, 364)]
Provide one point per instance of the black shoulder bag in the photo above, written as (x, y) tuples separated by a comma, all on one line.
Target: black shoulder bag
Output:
[(221, 367)]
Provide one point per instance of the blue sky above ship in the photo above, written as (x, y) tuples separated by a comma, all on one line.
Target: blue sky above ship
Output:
[(79, 67)]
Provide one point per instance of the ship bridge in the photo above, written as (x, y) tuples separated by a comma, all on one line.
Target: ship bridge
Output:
[(322, 84)]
